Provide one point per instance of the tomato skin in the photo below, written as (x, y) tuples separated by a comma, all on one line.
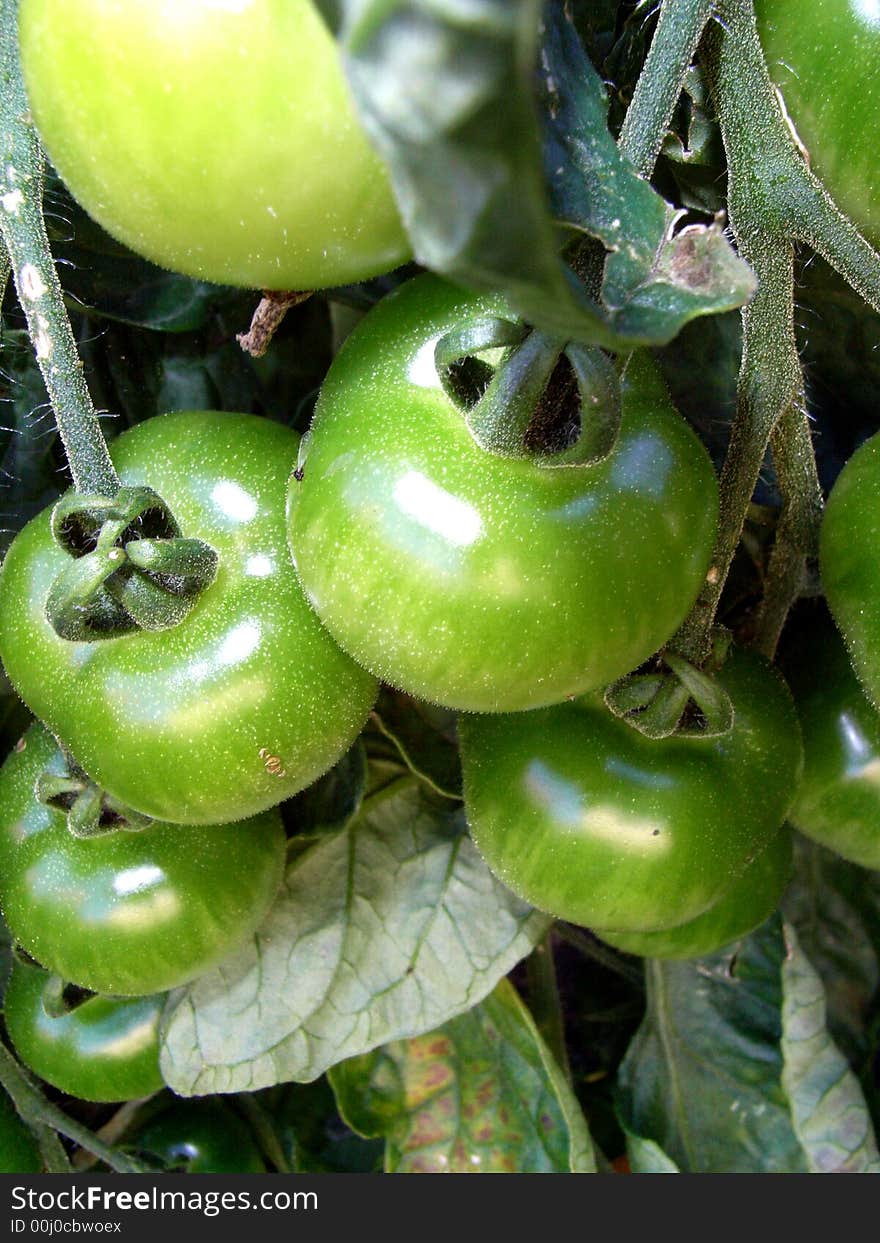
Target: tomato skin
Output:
[(201, 1137), (749, 901), (106, 1049), (482, 582), (838, 799), (19, 1153), (825, 58), (849, 560), (589, 820), (183, 724), (218, 140), (127, 913)]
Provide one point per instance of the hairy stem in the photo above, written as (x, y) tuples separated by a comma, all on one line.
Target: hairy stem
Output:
[(37, 1111), (797, 534), (763, 161), (36, 281), (679, 26)]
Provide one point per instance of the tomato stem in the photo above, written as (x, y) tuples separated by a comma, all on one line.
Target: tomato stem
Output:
[(545, 1003), (647, 120), (23, 234), (37, 1111)]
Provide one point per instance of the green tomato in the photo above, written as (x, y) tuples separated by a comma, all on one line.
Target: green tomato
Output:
[(200, 1137), (103, 1049), (127, 913), (849, 558), (238, 706), (18, 1148), (216, 138), (748, 902), (824, 55), (838, 800), (479, 581), (588, 819)]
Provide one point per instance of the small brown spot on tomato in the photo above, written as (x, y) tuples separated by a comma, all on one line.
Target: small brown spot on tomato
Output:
[(272, 763)]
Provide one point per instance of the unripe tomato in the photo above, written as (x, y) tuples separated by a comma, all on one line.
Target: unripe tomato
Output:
[(123, 912), (103, 1049), (243, 702), (478, 581), (217, 139), (838, 799), (588, 819), (748, 902)]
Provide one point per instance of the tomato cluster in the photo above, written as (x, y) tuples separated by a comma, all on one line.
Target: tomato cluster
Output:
[(389, 544)]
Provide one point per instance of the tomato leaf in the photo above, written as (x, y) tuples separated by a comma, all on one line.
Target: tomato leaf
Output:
[(835, 908), (480, 1094), (385, 930), (447, 92), (733, 1069)]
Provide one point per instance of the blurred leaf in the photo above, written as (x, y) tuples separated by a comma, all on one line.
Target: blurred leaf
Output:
[(382, 931), (29, 471), (334, 799), (421, 736), (646, 1157), (447, 92), (313, 1137), (733, 1069), (839, 340), (103, 276), (481, 1094)]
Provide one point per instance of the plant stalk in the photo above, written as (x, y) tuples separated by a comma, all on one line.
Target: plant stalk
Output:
[(23, 233), (648, 117), (544, 1001), (36, 1111)]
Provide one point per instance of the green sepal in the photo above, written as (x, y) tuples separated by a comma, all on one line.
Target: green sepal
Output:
[(514, 405), (130, 567), (90, 811), (681, 700)]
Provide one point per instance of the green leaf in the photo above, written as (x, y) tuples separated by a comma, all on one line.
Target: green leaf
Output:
[(835, 909), (447, 92), (382, 931), (828, 1110), (481, 1094), (733, 1069), (646, 1157)]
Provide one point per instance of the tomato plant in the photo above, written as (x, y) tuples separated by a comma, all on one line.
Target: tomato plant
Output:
[(749, 901), (587, 819), (237, 706), (125, 912), (826, 66), (219, 141), (838, 801), (478, 581), (98, 1048), (535, 906)]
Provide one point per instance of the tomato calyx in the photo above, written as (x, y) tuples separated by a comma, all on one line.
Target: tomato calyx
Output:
[(130, 567), (526, 394), (90, 810), (57, 996), (670, 695)]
